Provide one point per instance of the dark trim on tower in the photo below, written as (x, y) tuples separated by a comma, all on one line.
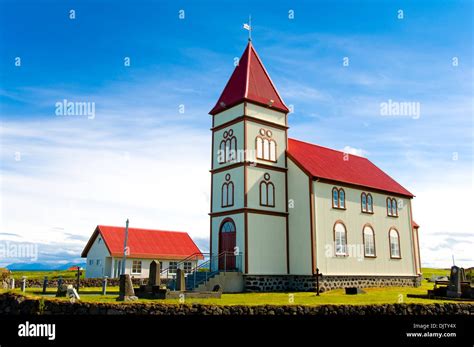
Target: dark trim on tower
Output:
[(249, 118)]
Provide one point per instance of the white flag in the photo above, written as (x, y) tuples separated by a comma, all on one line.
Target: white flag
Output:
[(247, 27)]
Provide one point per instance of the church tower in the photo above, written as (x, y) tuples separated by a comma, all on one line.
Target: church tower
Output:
[(249, 195)]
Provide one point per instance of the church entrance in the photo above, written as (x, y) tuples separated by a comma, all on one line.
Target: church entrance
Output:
[(227, 243)]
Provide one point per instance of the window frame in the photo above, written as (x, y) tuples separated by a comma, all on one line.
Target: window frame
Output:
[(364, 208), (339, 190), (172, 267), (345, 254), (393, 202), (267, 184), (374, 255), (226, 186), (390, 244), (134, 266), (266, 147)]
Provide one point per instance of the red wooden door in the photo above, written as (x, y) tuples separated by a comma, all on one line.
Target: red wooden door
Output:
[(227, 243)]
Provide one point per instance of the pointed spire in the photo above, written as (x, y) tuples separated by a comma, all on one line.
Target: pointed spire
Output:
[(250, 82)]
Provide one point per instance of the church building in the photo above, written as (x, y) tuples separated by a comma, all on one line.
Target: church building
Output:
[(284, 210)]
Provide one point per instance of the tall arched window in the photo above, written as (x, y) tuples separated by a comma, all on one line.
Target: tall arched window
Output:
[(369, 241), (267, 192), (366, 203), (370, 203), (342, 198), (227, 147), (265, 146), (392, 207), (338, 198), (394, 239), (340, 239), (227, 192)]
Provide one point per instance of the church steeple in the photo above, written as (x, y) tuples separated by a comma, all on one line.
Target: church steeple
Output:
[(250, 82)]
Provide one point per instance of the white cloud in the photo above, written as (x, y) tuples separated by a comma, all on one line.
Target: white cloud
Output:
[(355, 151)]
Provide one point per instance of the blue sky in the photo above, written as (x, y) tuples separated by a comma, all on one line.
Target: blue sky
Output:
[(61, 176)]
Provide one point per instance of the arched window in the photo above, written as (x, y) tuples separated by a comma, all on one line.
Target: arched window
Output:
[(340, 239), (335, 197), (227, 147), (227, 192), (394, 243), (369, 241), (370, 204), (363, 201), (265, 146), (228, 226), (267, 192), (366, 203), (338, 198), (342, 198), (259, 145), (394, 208)]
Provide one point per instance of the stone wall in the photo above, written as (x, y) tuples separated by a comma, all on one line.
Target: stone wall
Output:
[(85, 282), (14, 304), (283, 283)]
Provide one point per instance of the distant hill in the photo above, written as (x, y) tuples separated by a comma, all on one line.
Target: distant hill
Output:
[(41, 266)]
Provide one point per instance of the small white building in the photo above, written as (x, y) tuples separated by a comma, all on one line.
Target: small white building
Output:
[(104, 251)]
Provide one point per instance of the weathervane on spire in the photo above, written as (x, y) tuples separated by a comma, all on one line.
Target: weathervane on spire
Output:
[(248, 26)]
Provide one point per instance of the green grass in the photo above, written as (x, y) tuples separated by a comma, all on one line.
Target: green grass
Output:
[(39, 275), (428, 272), (334, 297)]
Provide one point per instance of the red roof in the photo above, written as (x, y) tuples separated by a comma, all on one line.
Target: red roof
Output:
[(414, 224), (145, 243), (326, 163), (249, 82)]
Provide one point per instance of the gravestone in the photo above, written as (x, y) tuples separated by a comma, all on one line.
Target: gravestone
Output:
[(353, 291), (126, 292), (12, 283), (62, 291), (72, 293), (45, 284), (23, 284), (180, 280), (455, 279), (155, 271), (104, 285)]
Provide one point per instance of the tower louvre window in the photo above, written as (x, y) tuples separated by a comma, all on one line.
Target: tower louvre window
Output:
[(227, 192), (266, 146), (227, 152)]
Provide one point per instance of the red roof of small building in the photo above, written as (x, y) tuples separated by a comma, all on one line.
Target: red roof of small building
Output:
[(326, 163), (145, 243), (249, 82)]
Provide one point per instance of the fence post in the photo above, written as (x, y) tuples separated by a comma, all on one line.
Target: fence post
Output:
[(104, 286), (45, 284)]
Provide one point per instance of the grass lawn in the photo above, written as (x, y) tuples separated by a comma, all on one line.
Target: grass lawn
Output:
[(39, 275), (372, 296)]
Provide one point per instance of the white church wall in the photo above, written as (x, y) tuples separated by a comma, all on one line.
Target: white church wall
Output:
[(254, 177), (97, 254), (228, 115), (354, 219), (237, 177), (278, 135), (266, 114), (299, 221), (267, 244)]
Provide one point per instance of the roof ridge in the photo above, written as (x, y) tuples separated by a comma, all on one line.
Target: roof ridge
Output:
[(329, 148), (146, 229)]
